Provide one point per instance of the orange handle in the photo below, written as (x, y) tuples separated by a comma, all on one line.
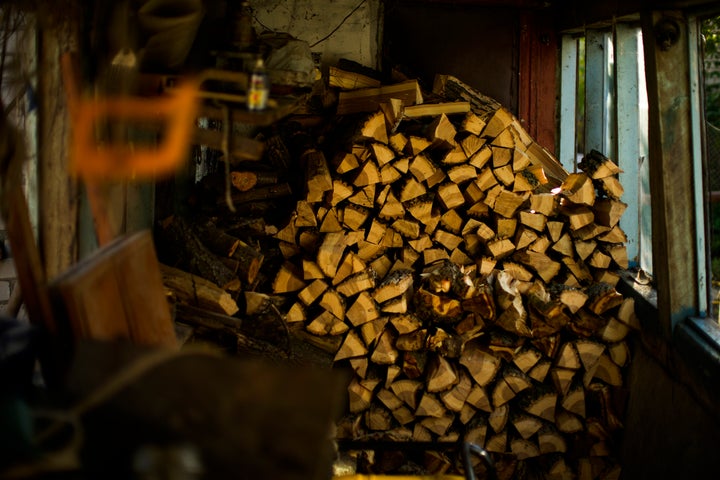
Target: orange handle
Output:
[(119, 161)]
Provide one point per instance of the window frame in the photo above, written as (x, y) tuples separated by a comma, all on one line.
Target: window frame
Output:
[(615, 124), (674, 308), (615, 110)]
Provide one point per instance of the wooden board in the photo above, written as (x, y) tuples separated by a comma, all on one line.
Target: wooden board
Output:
[(117, 293), (369, 99), (16, 217)]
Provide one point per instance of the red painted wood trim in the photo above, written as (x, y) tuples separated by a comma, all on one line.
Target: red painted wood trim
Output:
[(537, 82)]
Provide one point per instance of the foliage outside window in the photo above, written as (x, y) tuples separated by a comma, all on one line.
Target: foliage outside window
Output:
[(711, 59)]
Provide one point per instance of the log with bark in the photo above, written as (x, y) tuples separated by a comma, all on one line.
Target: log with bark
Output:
[(192, 255), (248, 260), (189, 289)]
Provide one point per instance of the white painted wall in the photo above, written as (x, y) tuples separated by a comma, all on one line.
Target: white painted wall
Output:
[(357, 39)]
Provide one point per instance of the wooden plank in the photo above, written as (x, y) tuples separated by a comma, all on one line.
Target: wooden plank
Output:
[(186, 289), (117, 293), (369, 99), (425, 110), (14, 209), (57, 192), (350, 80), (630, 128), (538, 59), (671, 178), (568, 97)]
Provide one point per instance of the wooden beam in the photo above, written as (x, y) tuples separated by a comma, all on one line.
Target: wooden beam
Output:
[(671, 172), (57, 191)]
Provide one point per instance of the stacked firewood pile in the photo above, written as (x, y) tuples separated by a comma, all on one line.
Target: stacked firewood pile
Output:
[(468, 282)]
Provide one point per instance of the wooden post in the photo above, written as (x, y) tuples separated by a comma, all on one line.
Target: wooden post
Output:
[(57, 192), (671, 170)]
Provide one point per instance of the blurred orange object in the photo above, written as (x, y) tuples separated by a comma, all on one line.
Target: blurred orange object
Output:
[(93, 160)]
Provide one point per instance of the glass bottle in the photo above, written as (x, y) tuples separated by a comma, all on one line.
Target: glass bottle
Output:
[(243, 31), (258, 87)]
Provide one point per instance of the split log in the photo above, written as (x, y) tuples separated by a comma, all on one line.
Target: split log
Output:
[(453, 88), (346, 80), (598, 166), (257, 303), (326, 324), (482, 365), (393, 286), (369, 99), (435, 109), (441, 376), (540, 401), (317, 175), (217, 240), (288, 279), (578, 189), (247, 180), (193, 290), (385, 352), (525, 424), (352, 347), (357, 283)]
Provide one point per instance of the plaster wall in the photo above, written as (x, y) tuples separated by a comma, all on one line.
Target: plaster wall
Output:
[(358, 24)]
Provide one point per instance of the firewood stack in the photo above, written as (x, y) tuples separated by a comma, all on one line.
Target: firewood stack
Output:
[(469, 283)]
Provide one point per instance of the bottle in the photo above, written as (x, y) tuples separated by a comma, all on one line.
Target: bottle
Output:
[(258, 87), (243, 33)]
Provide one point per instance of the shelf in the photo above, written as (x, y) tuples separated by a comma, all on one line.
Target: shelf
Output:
[(278, 109)]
